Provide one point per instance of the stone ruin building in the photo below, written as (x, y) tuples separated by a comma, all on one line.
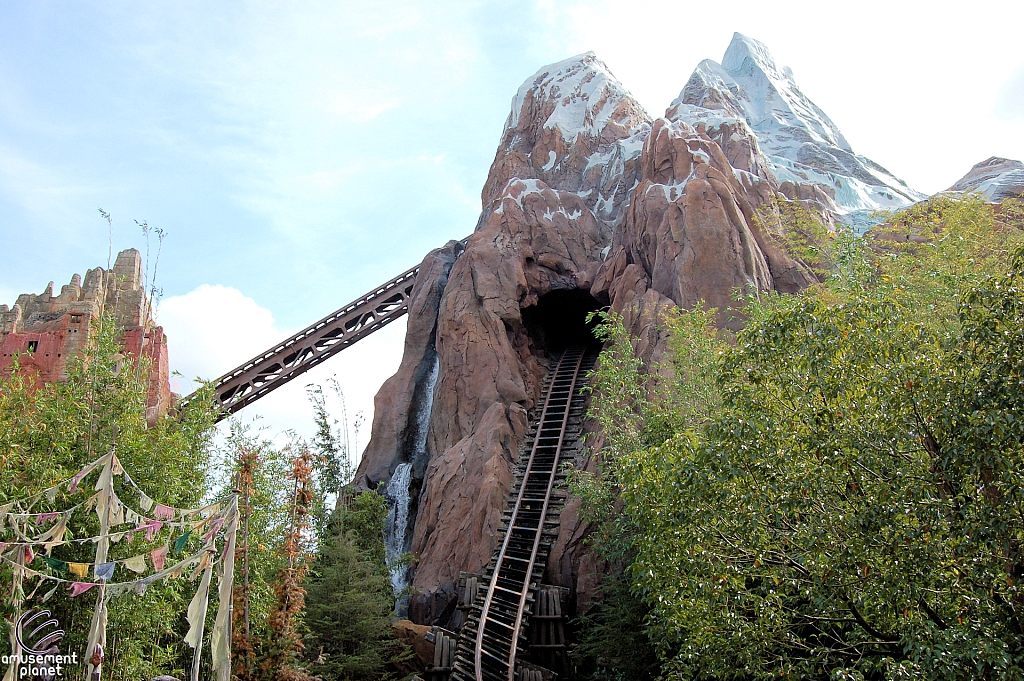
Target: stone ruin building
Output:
[(45, 331)]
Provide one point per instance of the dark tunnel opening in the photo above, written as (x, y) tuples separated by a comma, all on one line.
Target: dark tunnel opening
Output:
[(559, 320)]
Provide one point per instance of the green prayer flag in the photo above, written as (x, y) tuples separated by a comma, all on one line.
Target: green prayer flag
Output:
[(179, 543), (58, 565)]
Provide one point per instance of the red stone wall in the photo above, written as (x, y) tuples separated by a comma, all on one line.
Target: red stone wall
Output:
[(57, 327)]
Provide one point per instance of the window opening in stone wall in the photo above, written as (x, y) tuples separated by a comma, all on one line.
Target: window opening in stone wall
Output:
[(33, 346)]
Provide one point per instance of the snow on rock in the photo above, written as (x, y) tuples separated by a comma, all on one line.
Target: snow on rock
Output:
[(576, 128), (799, 141), (995, 179)]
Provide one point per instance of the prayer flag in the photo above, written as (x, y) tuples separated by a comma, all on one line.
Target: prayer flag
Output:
[(179, 543), (79, 588), (162, 512), (151, 527), (78, 569), (159, 558), (136, 564), (105, 571)]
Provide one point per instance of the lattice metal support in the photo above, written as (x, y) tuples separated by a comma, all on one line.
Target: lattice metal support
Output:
[(314, 344), (276, 366)]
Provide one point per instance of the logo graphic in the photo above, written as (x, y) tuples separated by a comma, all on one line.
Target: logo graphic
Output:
[(37, 634), (38, 638)]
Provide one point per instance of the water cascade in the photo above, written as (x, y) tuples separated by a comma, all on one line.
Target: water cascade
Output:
[(397, 494), (397, 491)]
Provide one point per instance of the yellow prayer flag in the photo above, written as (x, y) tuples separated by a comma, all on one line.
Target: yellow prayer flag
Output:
[(78, 569)]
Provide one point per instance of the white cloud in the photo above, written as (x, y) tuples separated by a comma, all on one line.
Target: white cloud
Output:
[(213, 329)]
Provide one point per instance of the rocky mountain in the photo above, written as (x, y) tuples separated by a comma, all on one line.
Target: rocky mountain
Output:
[(995, 179), (591, 203), (573, 125), (588, 203), (800, 142)]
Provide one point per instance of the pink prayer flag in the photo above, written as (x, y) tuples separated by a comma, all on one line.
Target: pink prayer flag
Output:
[(75, 480), (151, 527), (159, 557), (215, 527), (79, 588), (162, 512), (44, 518), (29, 556)]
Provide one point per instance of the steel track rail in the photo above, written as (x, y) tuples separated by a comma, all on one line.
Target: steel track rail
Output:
[(525, 529)]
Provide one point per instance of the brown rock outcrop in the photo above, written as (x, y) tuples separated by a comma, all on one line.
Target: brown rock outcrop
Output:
[(415, 636), (536, 240), (395, 426), (576, 128), (994, 178), (691, 225)]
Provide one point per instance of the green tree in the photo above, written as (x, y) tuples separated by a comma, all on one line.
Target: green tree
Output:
[(260, 470), (48, 432), (332, 449), (349, 600)]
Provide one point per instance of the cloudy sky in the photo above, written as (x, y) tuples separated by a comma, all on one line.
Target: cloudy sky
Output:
[(297, 154)]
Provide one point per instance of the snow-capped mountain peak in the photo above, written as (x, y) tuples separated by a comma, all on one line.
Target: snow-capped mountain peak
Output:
[(773, 93), (585, 94), (576, 128), (800, 142)]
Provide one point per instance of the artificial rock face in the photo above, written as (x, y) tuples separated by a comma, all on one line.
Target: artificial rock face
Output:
[(587, 196), (574, 127)]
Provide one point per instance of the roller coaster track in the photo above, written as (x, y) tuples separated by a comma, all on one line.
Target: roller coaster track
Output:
[(318, 342), (492, 637)]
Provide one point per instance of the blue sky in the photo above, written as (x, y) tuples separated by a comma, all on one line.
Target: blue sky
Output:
[(297, 154)]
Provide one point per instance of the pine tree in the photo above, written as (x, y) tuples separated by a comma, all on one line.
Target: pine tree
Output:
[(350, 600)]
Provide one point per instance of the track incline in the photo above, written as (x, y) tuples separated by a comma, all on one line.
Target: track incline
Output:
[(492, 640)]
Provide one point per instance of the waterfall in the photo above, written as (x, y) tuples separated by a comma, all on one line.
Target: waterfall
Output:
[(397, 489), (397, 494), (423, 414)]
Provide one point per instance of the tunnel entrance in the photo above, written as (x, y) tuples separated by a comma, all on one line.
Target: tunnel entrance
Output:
[(559, 320)]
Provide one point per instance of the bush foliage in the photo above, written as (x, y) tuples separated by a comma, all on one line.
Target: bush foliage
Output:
[(836, 491)]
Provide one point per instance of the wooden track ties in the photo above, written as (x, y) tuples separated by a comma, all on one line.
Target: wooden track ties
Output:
[(493, 637)]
